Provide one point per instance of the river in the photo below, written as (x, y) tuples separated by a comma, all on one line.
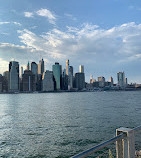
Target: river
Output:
[(62, 124)]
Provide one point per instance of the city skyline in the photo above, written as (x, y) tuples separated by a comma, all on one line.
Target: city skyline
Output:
[(103, 36)]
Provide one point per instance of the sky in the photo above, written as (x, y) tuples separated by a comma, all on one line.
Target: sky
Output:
[(102, 35)]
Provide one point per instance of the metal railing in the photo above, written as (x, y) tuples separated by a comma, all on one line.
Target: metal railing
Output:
[(125, 144)]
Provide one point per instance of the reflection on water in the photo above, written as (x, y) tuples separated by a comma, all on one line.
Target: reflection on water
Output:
[(61, 124)]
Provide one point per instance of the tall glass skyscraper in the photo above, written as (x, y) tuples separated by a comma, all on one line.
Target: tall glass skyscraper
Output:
[(13, 76), (34, 68), (41, 67), (67, 67), (57, 75)]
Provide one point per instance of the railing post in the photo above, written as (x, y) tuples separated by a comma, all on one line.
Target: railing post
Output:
[(125, 148), (119, 148)]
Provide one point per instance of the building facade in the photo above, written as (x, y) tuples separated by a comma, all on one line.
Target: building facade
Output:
[(47, 81), (57, 75), (81, 68), (121, 79), (101, 81), (13, 76), (67, 67), (34, 68), (28, 81), (111, 81), (80, 81), (41, 67)]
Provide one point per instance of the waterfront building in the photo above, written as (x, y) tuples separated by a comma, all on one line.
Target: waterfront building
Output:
[(28, 81), (6, 81), (39, 82), (47, 81), (57, 75), (70, 77), (67, 67), (92, 80), (111, 81), (13, 76), (1, 83), (41, 67), (34, 68), (81, 68), (121, 79), (80, 81), (64, 80), (21, 72), (101, 81)]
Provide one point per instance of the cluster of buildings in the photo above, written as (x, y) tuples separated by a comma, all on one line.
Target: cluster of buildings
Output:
[(36, 78), (101, 83)]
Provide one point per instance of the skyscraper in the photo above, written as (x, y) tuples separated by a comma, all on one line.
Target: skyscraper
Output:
[(81, 68), (28, 81), (6, 81), (80, 80), (47, 81), (34, 68), (13, 76), (28, 66), (111, 81), (67, 67), (70, 77), (57, 75), (41, 67), (101, 81), (21, 72), (121, 79)]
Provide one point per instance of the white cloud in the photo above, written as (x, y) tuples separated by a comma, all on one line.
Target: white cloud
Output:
[(8, 22), (5, 22), (89, 40), (28, 14), (48, 14), (97, 48), (17, 23)]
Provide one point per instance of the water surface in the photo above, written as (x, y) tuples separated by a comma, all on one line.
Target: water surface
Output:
[(62, 124)]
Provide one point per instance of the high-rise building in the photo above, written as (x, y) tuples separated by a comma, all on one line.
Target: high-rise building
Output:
[(70, 77), (101, 81), (92, 80), (111, 81), (47, 81), (121, 79), (1, 83), (6, 81), (64, 80), (28, 81), (28, 65), (41, 67), (67, 67), (80, 80), (57, 75), (21, 72), (34, 68), (13, 76), (81, 68)]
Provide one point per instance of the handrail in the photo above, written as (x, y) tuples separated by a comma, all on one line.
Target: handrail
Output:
[(104, 144), (137, 128), (98, 147)]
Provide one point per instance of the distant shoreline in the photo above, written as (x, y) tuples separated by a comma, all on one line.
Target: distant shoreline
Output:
[(64, 91)]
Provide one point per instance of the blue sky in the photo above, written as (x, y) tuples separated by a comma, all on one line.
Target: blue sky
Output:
[(102, 35)]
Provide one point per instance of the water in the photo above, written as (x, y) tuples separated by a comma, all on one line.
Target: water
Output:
[(62, 124)]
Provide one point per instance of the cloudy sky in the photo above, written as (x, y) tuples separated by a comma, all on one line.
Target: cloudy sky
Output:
[(102, 35)]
